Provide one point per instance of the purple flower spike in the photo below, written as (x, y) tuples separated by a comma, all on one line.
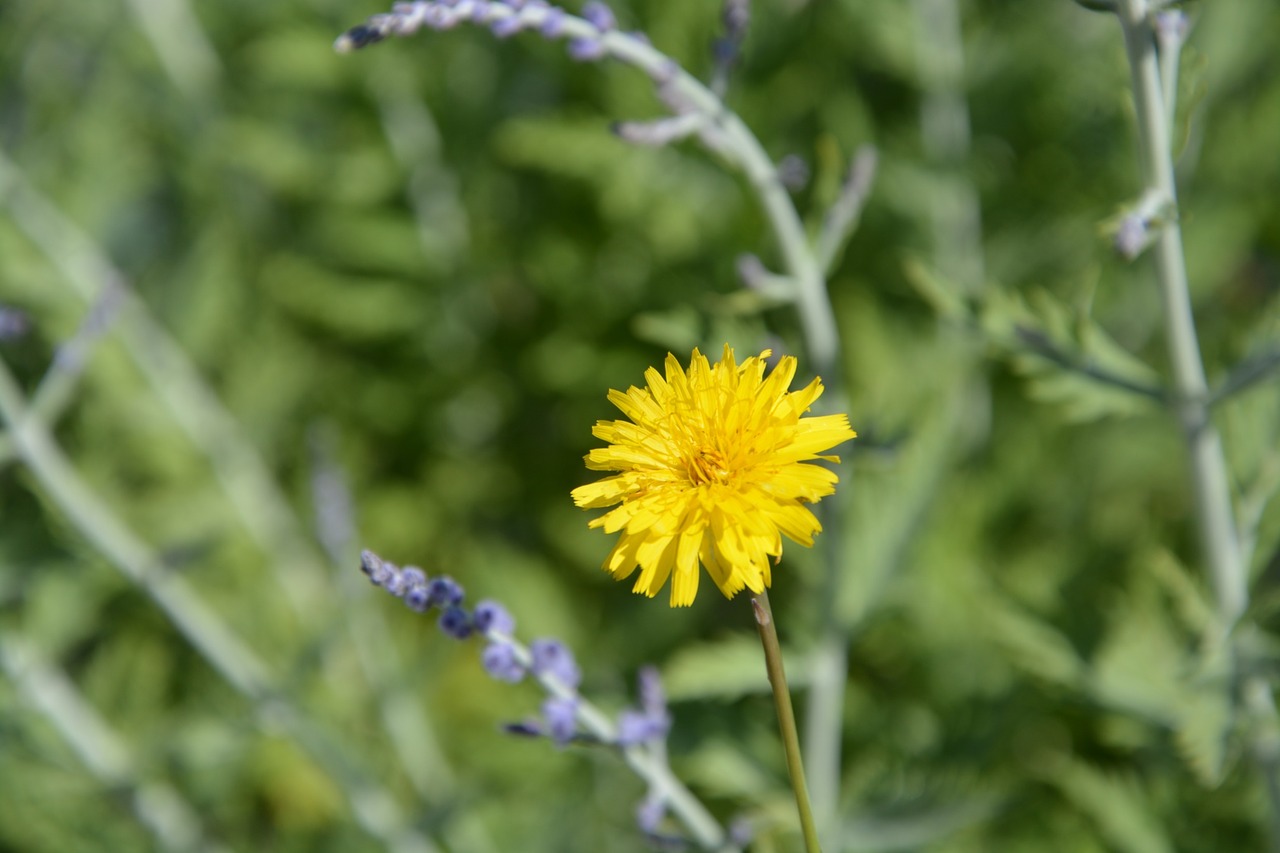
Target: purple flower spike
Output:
[(553, 658), (499, 660), (586, 49), (599, 16), (492, 616), (444, 591), (456, 622), (561, 718)]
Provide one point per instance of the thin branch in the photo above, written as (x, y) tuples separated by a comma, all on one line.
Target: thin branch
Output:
[(1040, 343), (1245, 375)]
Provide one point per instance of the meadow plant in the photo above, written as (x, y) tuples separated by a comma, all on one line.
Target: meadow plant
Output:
[(1000, 637)]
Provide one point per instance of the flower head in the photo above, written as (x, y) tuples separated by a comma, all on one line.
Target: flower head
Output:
[(712, 470)]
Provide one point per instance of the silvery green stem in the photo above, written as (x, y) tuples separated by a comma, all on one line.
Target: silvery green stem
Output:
[(1210, 482)]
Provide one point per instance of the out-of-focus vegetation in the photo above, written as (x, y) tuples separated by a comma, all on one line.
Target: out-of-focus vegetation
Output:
[(324, 302)]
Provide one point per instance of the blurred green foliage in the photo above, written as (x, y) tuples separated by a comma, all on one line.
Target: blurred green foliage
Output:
[(419, 268)]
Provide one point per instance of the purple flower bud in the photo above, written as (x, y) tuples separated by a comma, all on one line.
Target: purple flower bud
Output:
[(444, 591), (1131, 236), (492, 616), (793, 172), (395, 583), (634, 728), (455, 622), (358, 37), (499, 660), (553, 23), (1172, 25), (527, 728), (414, 583), (561, 718), (650, 812), (506, 27), (586, 49), (553, 658), (741, 831), (380, 574), (441, 17), (653, 699), (599, 16)]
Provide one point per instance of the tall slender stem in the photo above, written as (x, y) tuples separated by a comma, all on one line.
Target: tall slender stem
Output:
[(786, 718), (1210, 482), (1215, 517)]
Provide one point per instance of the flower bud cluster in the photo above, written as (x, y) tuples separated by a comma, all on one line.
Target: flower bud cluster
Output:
[(503, 657), (421, 593), (585, 34)]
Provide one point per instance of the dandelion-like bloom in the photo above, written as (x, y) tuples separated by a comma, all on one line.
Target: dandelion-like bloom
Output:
[(712, 470)]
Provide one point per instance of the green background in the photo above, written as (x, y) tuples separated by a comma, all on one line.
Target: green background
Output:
[(405, 280)]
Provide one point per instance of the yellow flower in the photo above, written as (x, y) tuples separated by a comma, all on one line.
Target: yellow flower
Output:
[(712, 471)]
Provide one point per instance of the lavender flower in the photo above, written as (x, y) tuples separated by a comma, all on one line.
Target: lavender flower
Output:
[(379, 571), (444, 591), (413, 583), (561, 717), (506, 27), (599, 16), (456, 622), (587, 49), (653, 721), (491, 616), (499, 660), (553, 658), (653, 699), (636, 727), (553, 23)]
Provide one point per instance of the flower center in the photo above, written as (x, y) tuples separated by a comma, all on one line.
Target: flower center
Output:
[(707, 465)]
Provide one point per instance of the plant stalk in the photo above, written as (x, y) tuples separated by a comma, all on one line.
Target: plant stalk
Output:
[(786, 718), (1210, 481)]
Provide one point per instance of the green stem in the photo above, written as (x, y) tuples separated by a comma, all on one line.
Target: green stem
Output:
[(1220, 536), (786, 718)]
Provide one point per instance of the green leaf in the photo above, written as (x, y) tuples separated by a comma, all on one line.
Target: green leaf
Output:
[(1069, 359), (1116, 804)]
